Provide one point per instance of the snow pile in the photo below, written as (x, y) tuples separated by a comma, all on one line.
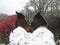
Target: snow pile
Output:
[(41, 36)]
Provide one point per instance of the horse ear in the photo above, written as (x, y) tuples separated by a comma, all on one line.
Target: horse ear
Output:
[(17, 12), (20, 15)]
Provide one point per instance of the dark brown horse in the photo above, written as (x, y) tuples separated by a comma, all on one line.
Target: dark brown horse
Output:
[(38, 21), (52, 23)]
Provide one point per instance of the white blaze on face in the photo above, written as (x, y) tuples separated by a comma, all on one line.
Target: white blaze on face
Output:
[(41, 36)]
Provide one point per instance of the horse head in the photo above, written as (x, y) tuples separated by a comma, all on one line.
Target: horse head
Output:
[(22, 22), (38, 21)]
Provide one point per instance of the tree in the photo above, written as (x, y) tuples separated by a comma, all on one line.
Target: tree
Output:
[(45, 7), (3, 15), (29, 14)]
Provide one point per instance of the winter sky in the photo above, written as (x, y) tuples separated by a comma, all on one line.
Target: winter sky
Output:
[(10, 6)]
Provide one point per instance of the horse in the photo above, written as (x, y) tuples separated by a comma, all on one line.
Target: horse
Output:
[(53, 25), (6, 25), (22, 22), (11, 22), (38, 21)]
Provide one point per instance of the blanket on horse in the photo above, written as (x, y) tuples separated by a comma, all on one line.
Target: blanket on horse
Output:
[(6, 24)]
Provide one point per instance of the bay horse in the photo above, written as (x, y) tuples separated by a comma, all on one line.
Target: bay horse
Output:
[(11, 22), (6, 26), (22, 22), (52, 23)]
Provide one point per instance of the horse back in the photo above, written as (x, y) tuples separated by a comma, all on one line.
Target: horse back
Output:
[(6, 23)]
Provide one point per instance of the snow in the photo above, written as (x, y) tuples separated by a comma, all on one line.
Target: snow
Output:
[(41, 36)]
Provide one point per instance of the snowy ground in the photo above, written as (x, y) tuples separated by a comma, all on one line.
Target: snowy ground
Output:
[(41, 36)]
